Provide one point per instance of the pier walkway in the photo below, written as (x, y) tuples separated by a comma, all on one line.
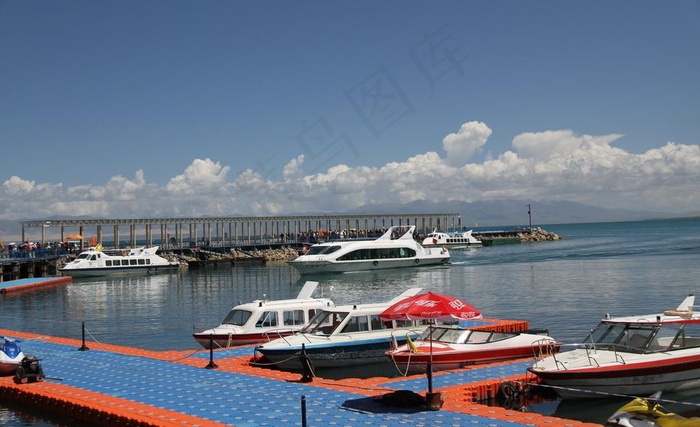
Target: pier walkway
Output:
[(121, 386)]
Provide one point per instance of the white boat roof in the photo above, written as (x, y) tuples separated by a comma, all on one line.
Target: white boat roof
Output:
[(304, 298)]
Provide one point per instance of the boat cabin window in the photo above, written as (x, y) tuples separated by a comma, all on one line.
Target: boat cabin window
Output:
[(237, 317), (357, 324), (125, 262), (293, 317), (83, 256), (267, 320), (384, 253), (322, 250), (324, 322)]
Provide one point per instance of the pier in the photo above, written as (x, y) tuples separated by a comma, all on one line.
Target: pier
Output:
[(222, 231)]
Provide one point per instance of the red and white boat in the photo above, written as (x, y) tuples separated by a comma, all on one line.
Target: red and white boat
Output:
[(453, 347), (633, 355), (263, 320)]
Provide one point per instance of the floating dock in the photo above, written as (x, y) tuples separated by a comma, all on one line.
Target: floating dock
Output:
[(122, 386), (32, 283)]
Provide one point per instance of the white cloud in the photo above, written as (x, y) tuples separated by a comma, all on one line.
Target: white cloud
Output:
[(550, 165), (461, 146)]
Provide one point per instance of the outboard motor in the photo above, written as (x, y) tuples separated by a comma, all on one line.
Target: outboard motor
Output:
[(29, 370)]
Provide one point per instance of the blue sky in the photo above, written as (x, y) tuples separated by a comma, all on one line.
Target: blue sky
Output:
[(204, 108)]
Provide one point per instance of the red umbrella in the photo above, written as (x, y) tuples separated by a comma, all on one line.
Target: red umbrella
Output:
[(430, 306)]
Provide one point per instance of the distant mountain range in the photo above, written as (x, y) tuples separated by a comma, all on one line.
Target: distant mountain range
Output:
[(481, 213)]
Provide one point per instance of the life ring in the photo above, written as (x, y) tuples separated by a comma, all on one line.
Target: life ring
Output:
[(376, 263)]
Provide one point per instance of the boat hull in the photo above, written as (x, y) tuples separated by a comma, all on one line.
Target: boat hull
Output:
[(641, 377), (8, 367), (444, 358), (335, 355), (115, 271), (219, 340)]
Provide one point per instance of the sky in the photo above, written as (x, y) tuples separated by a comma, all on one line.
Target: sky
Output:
[(137, 109)]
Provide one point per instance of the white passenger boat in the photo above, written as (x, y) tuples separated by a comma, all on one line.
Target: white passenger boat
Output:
[(632, 355), (95, 262), (345, 335), (451, 240), (264, 320), (396, 248)]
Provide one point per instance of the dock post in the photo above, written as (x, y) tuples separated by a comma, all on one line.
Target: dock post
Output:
[(83, 347), (211, 364), (303, 411)]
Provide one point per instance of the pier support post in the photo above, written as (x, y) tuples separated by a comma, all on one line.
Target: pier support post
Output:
[(303, 411)]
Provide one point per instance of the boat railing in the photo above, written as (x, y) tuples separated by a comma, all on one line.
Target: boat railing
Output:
[(544, 347), (277, 333)]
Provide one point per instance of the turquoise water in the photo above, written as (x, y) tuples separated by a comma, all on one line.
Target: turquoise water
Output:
[(564, 286)]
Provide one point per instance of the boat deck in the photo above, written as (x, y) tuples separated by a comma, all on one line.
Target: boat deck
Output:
[(122, 386)]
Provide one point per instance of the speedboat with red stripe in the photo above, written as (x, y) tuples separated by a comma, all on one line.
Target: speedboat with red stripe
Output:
[(632, 355), (452, 347)]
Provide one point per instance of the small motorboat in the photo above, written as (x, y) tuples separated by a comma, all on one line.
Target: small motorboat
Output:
[(10, 356), (458, 240), (453, 347), (347, 335), (264, 320), (630, 355), (648, 412)]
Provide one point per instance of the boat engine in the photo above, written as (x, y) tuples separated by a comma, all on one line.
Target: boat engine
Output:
[(29, 370)]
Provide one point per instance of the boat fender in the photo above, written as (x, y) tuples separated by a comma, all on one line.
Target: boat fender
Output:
[(376, 263), (411, 344), (417, 260)]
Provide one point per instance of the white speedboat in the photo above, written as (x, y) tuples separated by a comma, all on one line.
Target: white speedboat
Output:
[(345, 335), (396, 248), (633, 355), (463, 240), (452, 347), (10, 356), (263, 320), (95, 262)]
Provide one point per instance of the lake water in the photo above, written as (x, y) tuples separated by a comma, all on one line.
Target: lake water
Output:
[(564, 286)]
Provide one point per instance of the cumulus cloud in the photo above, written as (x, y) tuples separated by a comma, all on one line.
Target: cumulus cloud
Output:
[(461, 146), (559, 143), (548, 165)]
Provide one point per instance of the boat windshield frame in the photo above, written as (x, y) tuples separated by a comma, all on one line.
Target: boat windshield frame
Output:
[(237, 317), (639, 337), (324, 322)]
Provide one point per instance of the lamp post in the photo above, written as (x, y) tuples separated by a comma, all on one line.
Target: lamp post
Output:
[(529, 217)]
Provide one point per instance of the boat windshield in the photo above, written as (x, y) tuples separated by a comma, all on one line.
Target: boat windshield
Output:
[(322, 250), (237, 317), (83, 255), (634, 337), (324, 322)]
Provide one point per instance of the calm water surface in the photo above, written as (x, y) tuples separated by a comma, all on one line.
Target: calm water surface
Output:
[(564, 286)]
